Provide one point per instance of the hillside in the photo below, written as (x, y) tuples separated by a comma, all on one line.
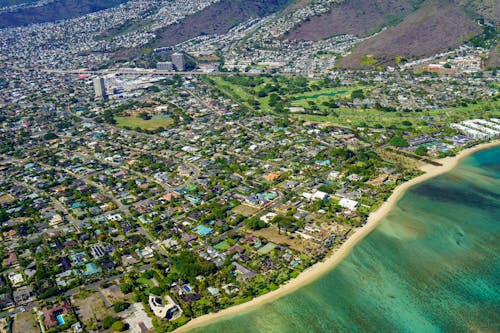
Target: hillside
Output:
[(355, 17), (435, 27), (217, 19), (7, 3), (53, 11), (493, 61)]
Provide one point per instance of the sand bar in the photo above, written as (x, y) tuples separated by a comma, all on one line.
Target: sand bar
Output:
[(319, 269)]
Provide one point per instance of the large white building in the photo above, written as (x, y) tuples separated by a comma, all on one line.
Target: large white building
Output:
[(348, 203), (99, 87), (479, 129), (179, 61), (164, 307)]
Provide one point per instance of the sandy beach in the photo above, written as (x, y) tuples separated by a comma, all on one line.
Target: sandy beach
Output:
[(316, 271)]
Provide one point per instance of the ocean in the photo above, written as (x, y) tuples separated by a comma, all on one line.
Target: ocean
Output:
[(432, 265)]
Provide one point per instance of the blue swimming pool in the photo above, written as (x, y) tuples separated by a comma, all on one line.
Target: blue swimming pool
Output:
[(186, 288), (60, 320), (202, 230)]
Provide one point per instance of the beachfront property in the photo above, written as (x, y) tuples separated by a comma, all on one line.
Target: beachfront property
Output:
[(164, 307), (479, 129)]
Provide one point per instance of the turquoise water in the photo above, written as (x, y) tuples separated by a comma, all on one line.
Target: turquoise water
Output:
[(433, 265), (60, 320)]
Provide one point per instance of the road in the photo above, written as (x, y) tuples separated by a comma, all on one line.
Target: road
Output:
[(139, 71)]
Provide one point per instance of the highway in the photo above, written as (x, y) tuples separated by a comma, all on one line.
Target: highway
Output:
[(139, 71)]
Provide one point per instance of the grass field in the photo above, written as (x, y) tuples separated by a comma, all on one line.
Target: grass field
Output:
[(245, 210), (146, 282), (236, 92), (244, 94), (371, 117), (351, 117), (25, 322), (274, 236), (323, 95), (6, 199), (136, 122), (91, 308)]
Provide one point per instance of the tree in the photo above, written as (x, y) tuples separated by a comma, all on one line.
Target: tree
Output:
[(398, 141), (284, 222), (118, 326), (358, 94), (108, 321), (144, 116), (121, 306), (255, 224), (190, 265), (108, 117), (50, 136), (4, 216), (421, 151)]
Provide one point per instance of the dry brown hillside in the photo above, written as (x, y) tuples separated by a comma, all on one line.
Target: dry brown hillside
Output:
[(355, 17), (493, 60), (436, 26)]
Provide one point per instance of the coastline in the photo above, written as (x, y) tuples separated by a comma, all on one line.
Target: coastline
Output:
[(321, 268)]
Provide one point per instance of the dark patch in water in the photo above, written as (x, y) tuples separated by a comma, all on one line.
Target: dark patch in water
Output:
[(473, 196)]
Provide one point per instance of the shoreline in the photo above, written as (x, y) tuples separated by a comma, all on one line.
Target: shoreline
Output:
[(321, 268)]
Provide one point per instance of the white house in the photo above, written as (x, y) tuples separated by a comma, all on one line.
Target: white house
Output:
[(164, 307), (348, 203)]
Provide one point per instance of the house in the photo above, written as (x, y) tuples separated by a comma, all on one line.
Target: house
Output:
[(129, 260), (97, 251), (10, 234), (5, 301), (171, 196), (320, 195), (213, 291), (163, 309), (56, 219), (16, 279), (145, 253), (379, 180), (271, 177), (10, 259), (188, 238), (354, 177), (296, 109), (23, 295), (334, 175), (50, 314), (243, 272), (348, 203), (230, 289), (268, 217)]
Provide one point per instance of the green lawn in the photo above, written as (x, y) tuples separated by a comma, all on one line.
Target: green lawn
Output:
[(351, 117), (370, 117), (136, 122), (323, 95), (236, 92), (146, 282), (243, 94)]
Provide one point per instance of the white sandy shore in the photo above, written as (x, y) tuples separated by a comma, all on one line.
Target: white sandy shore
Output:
[(316, 271)]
